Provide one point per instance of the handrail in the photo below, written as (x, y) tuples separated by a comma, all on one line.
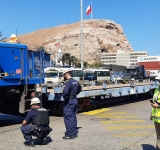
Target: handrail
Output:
[(41, 63), (22, 63), (26, 85)]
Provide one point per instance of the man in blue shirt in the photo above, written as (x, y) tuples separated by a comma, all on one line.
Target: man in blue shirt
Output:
[(35, 123), (71, 90)]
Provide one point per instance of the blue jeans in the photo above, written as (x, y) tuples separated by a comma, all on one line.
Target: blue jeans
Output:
[(70, 120)]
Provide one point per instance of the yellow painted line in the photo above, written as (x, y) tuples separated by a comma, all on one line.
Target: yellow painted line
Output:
[(113, 113), (154, 134), (122, 121), (127, 135), (99, 116), (128, 144), (129, 127), (94, 112)]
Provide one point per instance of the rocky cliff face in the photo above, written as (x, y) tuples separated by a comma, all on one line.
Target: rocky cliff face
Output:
[(99, 36)]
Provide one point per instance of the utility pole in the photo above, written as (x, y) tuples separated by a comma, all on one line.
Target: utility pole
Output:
[(82, 52)]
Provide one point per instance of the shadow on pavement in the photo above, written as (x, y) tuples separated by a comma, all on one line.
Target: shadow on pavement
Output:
[(79, 128), (148, 147), (39, 142)]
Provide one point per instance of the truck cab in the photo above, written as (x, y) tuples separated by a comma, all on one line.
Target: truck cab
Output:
[(136, 72)]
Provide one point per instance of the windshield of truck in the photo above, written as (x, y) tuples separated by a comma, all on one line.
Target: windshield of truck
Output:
[(131, 71), (51, 74)]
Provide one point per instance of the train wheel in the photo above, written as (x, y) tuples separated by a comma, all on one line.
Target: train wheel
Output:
[(52, 108), (57, 108), (146, 95), (132, 97), (83, 103)]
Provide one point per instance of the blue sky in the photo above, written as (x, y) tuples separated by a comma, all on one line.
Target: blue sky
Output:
[(140, 19)]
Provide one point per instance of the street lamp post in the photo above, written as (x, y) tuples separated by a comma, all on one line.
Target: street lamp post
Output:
[(82, 53)]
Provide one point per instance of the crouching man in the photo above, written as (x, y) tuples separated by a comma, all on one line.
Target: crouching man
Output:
[(36, 123)]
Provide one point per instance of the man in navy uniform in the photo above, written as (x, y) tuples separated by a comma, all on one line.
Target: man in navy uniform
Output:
[(71, 90), (36, 123)]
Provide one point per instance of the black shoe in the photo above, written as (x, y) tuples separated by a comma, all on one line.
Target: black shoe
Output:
[(76, 136), (68, 137), (45, 141), (31, 144)]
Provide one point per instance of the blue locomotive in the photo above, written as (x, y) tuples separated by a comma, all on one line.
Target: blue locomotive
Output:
[(20, 70)]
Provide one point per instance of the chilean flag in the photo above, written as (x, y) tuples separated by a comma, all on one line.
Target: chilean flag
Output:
[(89, 9), (57, 44)]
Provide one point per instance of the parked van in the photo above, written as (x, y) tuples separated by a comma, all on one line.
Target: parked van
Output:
[(54, 76), (97, 75)]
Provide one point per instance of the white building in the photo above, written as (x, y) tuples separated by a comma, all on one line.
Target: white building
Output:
[(122, 58)]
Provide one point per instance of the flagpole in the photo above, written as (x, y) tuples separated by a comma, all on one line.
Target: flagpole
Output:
[(82, 53), (91, 11)]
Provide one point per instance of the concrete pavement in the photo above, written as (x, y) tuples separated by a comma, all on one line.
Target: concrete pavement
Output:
[(124, 127)]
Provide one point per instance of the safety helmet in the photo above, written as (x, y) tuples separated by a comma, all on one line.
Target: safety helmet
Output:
[(66, 70), (35, 100), (158, 77), (13, 36)]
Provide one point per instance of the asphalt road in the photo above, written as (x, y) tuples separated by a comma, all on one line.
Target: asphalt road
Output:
[(121, 127)]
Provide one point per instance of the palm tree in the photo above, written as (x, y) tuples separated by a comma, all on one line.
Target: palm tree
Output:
[(77, 62), (74, 60), (66, 59), (85, 64), (39, 48), (1, 36)]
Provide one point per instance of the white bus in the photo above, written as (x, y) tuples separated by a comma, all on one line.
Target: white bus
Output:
[(97, 75), (54, 76)]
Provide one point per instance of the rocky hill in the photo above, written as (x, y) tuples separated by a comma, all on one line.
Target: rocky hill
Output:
[(99, 36)]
